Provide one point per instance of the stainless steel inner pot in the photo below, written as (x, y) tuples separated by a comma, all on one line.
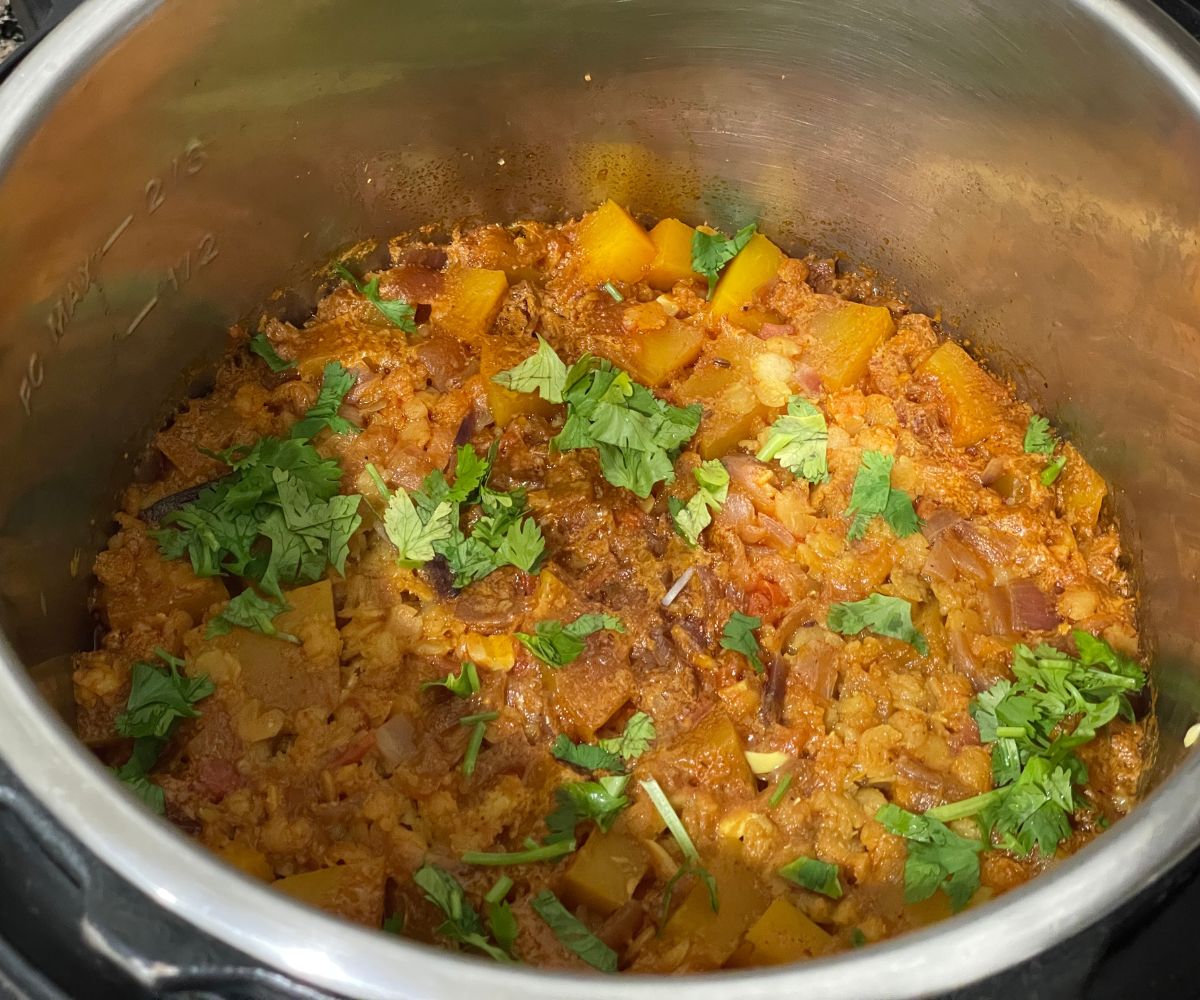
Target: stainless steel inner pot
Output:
[(1026, 166)]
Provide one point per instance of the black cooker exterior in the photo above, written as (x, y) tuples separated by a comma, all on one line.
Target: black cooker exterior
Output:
[(71, 928)]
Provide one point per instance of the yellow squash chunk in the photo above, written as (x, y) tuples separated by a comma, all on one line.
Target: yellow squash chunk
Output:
[(757, 264), (782, 934), (672, 241), (493, 652), (499, 354), (844, 340), (469, 302), (1081, 490), (611, 246), (248, 859), (604, 872), (971, 394), (713, 937), (732, 410), (712, 752), (286, 675), (655, 356), (354, 891)]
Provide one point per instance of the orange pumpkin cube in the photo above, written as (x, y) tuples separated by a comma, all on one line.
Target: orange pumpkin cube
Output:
[(672, 262), (971, 395), (657, 355), (611, 246), (844, 339), (470, 302), (757, 264), (1081, 490), (782, 934)]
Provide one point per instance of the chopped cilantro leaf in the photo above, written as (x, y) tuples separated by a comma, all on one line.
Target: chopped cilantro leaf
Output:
[(1053, 470), (414, 536), (542, 372), (280, 491), (798, 439), (635, 434), (557, 644), (586, 756), (872, 496), (738, 635), (888, 616), (134, 773), (635, 740), (336, 381), (857, 938), (158, 698), (693, 517), (1039, 439), (250, 611), (263, 347), (393, 924), (463, 684), (1034, 811), (572, 934), (712, 251), (462, 924), (396, 311), (938, 858), (600, 801), (819, 876)]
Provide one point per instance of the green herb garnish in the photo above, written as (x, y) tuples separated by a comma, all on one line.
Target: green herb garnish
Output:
[(396, 311), (635, 740), (1039, 439), (393, 924), (873, 496), (738, 635), (572, 934), (691, 856), (280, 492), (819, 876), (693, 517), (462, 924), (600, 801), (557, 644), (250, 611), (586, 756), (798, 440), (1053, 470), (781, 788), (263, 347), (134, 774), (478, 723), (635, 434), (888, 616), (159, 698), (938, 858), (712, 251), (336, 381), (612, 291), (463, 684), (544, 852), (501, 921)]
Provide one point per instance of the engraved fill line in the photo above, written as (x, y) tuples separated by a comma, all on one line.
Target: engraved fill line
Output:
[(141, 316), (116, 235)]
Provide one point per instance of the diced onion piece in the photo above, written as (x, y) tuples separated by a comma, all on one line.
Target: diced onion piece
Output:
[(1192, 735), (765, 763), (677, 586)]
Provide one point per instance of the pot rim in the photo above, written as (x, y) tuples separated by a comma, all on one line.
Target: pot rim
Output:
[(326, 952)]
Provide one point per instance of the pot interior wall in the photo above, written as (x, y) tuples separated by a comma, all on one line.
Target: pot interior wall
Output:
[(1010, 163)]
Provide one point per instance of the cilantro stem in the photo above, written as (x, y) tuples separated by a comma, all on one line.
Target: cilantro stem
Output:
[(499, 890), (546, 852), (781, 788), (1010, 732), (377, 479), (470, 720), (609, 287), (965, 807), (473, 745), (671, 818)]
